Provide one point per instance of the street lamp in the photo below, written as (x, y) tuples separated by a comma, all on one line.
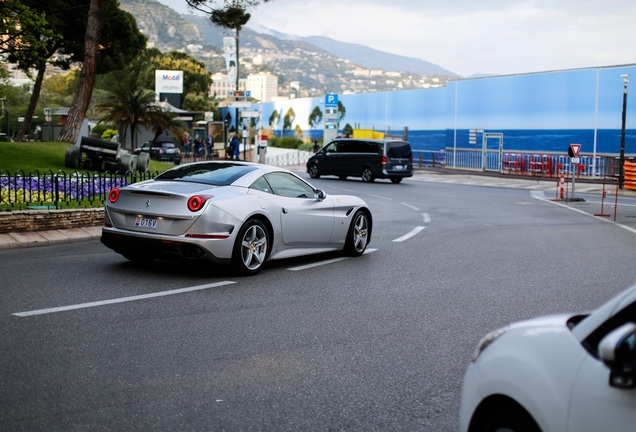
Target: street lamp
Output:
[(621, 175)]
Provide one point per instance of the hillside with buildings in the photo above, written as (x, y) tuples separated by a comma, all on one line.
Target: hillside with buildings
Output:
[(299, 68)]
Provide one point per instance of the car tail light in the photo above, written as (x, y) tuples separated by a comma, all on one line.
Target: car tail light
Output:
[(195, 203), (113, 195), (383, 160)]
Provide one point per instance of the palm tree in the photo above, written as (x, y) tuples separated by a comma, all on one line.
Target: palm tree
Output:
[(132, 109)]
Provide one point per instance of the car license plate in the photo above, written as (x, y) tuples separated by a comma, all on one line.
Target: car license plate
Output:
[(398, 167), (145, 223)]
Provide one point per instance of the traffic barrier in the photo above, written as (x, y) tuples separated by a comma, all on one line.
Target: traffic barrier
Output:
[(604, 195), (629, 170), (561, 188)]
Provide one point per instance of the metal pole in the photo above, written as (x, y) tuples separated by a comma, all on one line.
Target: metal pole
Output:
[(621, 175)]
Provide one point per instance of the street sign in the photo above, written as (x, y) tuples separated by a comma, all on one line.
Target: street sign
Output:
[(331, 100), (573, 150), (239, 104)]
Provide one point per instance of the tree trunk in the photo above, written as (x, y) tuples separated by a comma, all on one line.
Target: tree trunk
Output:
[(37, 87), (82, 98)]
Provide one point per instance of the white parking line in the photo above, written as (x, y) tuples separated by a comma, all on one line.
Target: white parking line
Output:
[(121, 300), (325, 262), (415, 231)]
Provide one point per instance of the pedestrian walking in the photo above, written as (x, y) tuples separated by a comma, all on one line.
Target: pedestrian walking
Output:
[(235, 145)]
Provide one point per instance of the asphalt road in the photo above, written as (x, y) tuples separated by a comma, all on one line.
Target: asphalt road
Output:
[(89, 341)]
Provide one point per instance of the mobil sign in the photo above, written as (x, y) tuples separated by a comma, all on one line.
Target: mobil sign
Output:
[(167, 81)]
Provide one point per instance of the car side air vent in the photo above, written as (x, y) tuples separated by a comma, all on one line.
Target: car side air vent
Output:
[(349, 211)]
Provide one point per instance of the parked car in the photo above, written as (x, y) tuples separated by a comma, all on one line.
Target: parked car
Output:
[(574, 372), (231, 212), (365, 158), (164, 151)]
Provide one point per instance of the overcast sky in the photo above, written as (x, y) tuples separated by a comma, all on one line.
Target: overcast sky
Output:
[(468, 36)]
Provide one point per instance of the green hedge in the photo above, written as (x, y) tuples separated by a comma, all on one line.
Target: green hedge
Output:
[(285, 142)]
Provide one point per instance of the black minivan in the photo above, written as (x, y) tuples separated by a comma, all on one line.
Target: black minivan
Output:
[(366, 158)]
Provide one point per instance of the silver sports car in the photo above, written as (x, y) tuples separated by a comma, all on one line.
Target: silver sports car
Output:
[(236, 213)]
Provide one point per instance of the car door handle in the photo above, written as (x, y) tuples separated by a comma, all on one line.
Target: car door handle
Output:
[(285, 211)]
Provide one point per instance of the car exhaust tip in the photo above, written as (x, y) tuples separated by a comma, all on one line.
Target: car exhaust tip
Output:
[(191, 252)]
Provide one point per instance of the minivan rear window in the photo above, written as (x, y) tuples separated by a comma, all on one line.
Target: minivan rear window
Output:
[(398, 150)]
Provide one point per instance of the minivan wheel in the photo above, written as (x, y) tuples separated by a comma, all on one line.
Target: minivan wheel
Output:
[(396, 179), (314, 172), (367, 175)]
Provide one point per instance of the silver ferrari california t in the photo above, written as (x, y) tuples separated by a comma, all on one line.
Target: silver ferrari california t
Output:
[(235, 213)]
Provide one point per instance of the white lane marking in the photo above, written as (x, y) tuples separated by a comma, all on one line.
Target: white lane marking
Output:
[(426, 218), (542, 197), (410, 206), (381, 197), (121, 300), (325, 262), (415, 231)]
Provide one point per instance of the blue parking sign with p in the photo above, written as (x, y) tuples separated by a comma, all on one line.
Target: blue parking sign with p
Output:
[(331, 99)]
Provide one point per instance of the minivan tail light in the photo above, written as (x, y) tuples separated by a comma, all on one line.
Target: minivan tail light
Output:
[(383, 160)]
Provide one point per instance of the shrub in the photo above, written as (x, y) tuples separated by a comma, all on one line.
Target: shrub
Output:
[(285, 142), (108, 134)]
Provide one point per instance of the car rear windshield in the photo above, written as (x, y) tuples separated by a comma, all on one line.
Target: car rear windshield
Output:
[(398, 150), (165, 145), (212, 173)]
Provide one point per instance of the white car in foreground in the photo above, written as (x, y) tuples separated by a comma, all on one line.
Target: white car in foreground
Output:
[(572, 373)]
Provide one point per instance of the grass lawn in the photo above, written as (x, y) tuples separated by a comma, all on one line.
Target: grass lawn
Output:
[(43, 156)]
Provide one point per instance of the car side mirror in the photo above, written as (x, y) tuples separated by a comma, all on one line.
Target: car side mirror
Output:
[(319, 194), (618, 351)]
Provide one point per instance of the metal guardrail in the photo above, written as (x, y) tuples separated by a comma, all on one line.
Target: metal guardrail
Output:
[(289, 158), (533, 164), (49, 190)]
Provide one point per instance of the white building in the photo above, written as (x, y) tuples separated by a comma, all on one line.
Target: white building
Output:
[(222, 87), (262, 86)]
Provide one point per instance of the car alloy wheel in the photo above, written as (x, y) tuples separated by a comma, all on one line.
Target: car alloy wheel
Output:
[(251, 248), (313, 171), (358, 235), (367, 175)]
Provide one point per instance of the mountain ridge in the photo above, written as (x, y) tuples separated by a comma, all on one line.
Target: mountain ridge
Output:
[(318, 64)]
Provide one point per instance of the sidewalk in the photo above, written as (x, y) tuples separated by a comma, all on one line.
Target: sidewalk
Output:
[(50, 237)]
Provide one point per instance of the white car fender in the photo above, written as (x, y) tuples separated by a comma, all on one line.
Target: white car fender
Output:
[(514, 370)]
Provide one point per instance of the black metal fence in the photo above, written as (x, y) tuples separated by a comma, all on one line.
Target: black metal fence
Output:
[(49, 190)]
